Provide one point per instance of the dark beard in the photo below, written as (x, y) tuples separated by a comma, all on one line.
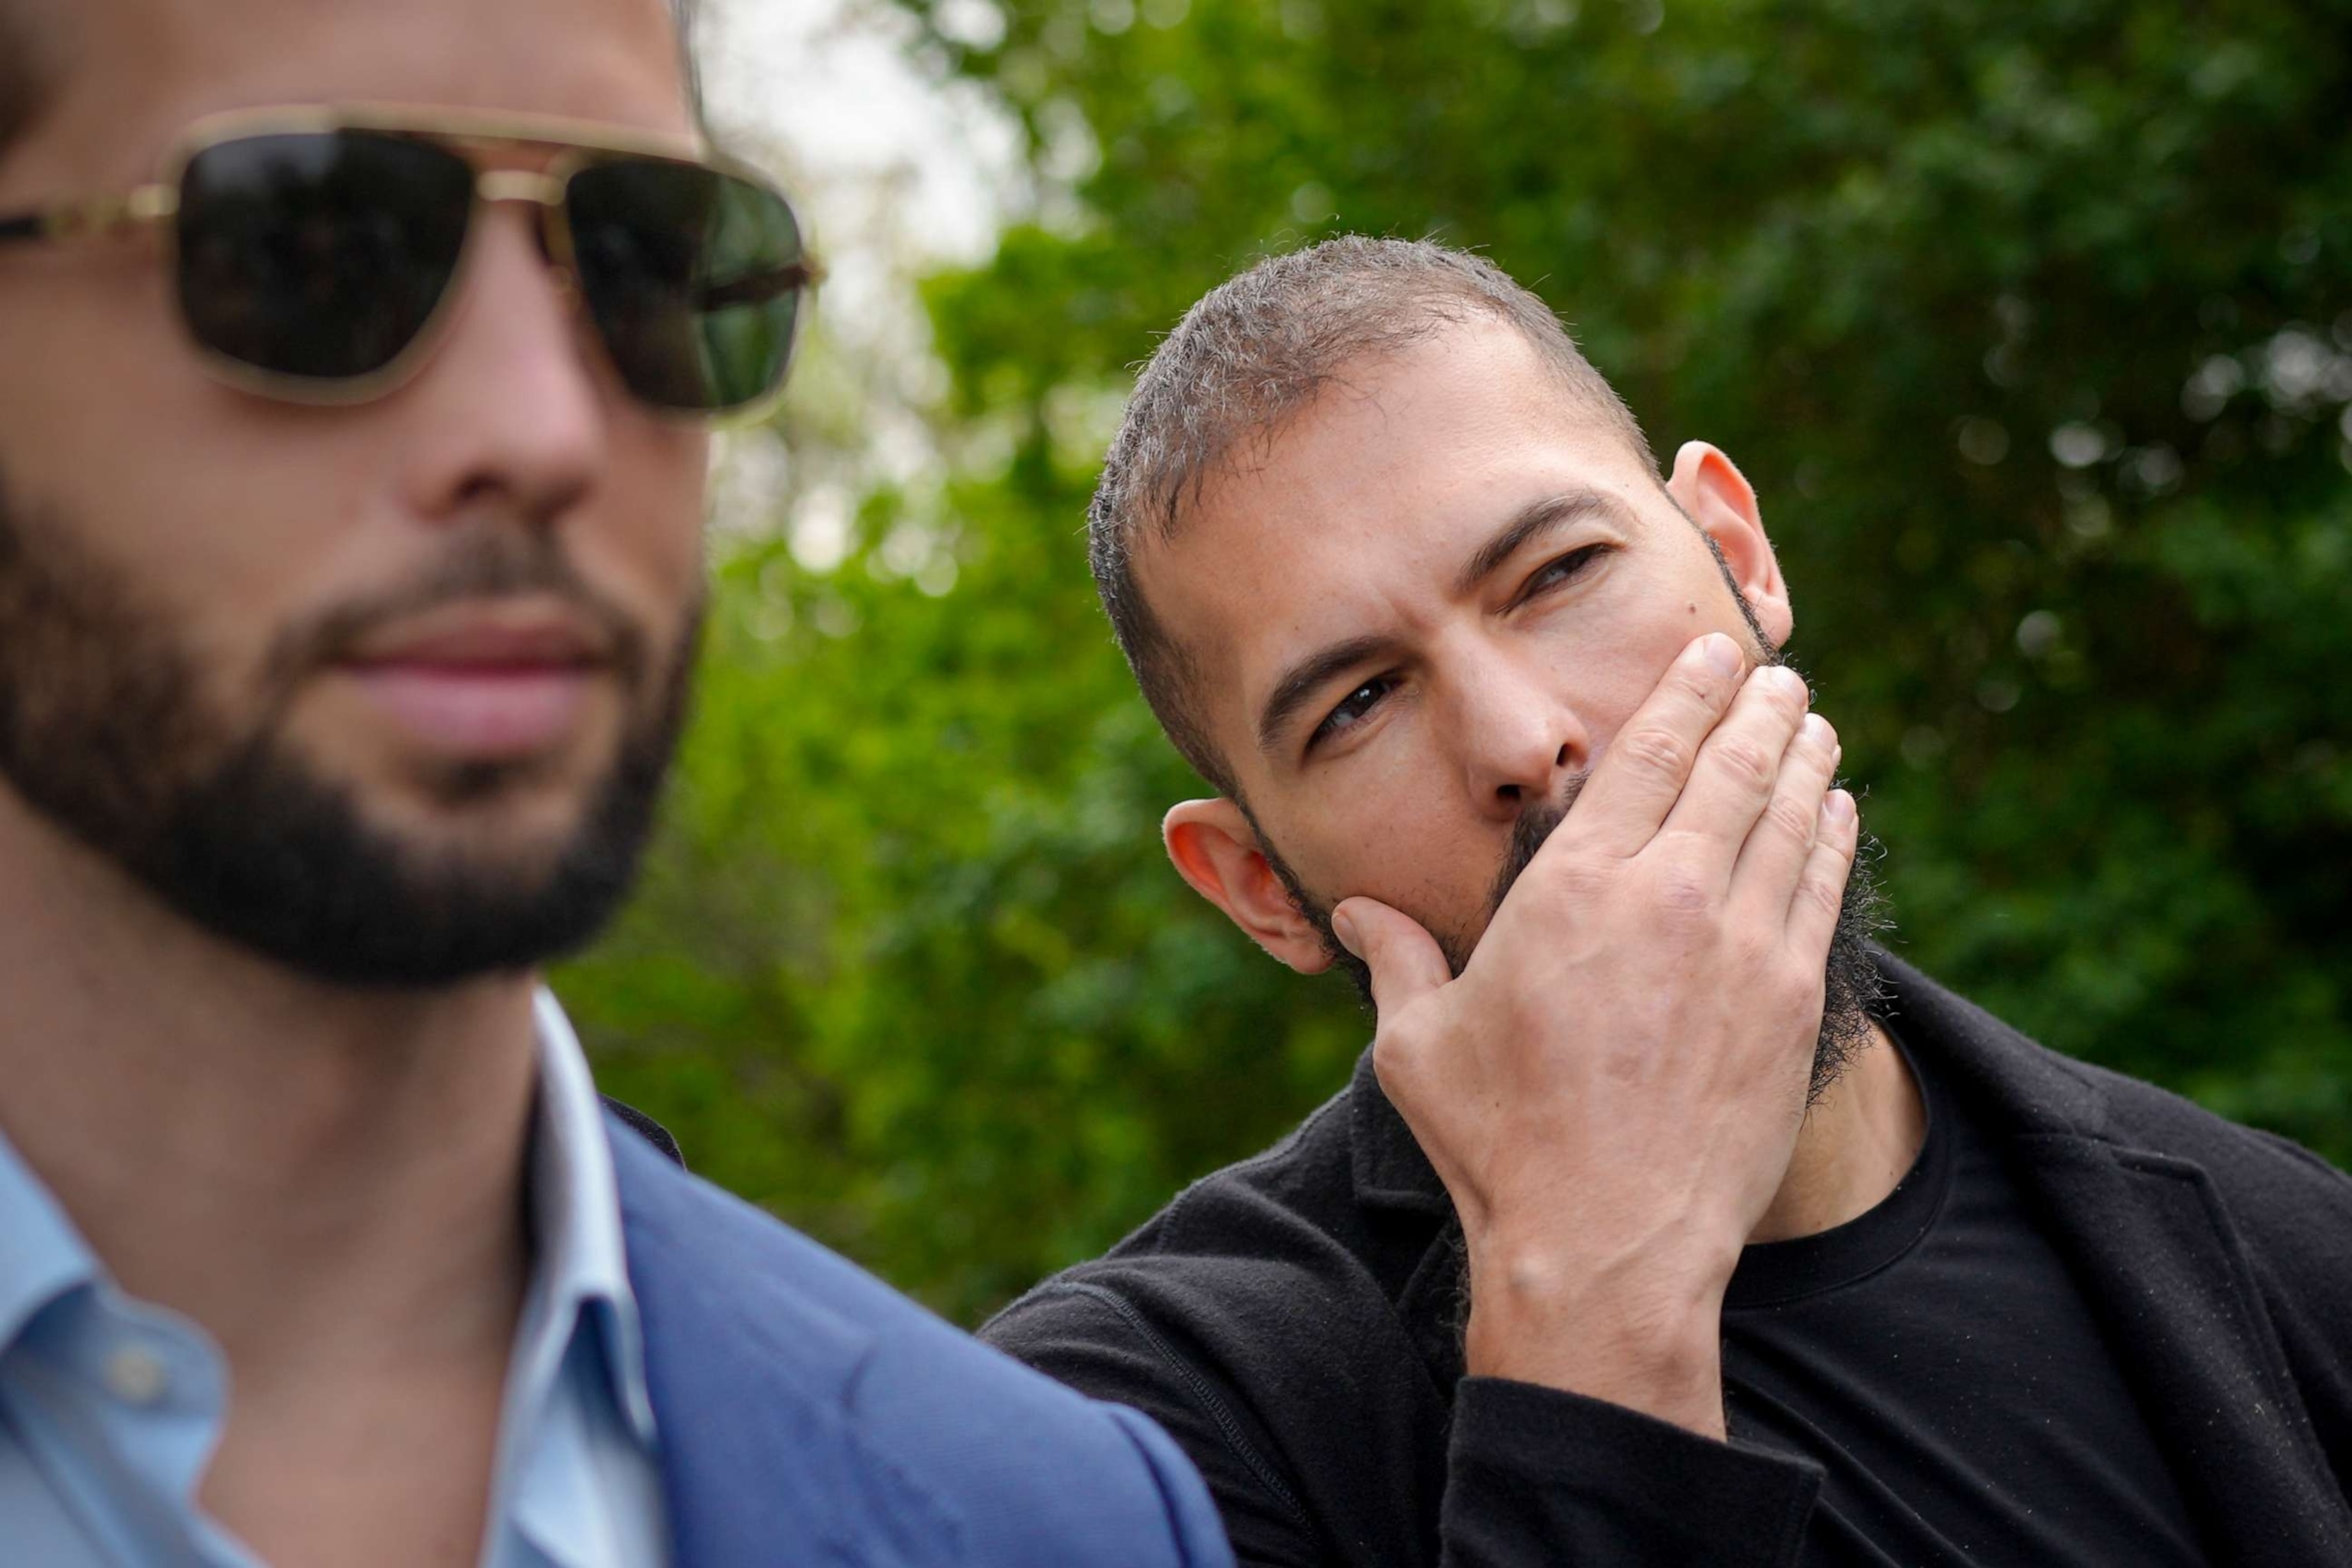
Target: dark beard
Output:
[(105, 730), (1853, 987)]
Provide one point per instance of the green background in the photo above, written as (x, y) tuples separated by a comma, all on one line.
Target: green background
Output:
[(2032, 324)]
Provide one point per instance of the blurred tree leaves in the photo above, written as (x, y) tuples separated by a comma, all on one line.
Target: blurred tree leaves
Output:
[(2032, 324)]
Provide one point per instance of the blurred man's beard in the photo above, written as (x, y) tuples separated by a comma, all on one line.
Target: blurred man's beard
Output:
[(1852, 986), (105, 729)]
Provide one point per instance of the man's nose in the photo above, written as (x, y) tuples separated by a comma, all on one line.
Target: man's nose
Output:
[(512, 410), (1520, 738)]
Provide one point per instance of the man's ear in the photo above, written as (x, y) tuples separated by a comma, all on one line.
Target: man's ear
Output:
[(1216, 850), (1719, 499)]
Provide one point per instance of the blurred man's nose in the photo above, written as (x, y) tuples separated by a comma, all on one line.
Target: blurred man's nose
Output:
[(513, 410)]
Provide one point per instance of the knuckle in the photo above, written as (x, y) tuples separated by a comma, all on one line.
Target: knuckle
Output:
[(1822, 894), (1747, 763), (1792, 818), (1683, 892), (1654, 748)]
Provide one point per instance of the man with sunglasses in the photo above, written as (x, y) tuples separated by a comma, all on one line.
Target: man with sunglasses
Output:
[(359, 363)]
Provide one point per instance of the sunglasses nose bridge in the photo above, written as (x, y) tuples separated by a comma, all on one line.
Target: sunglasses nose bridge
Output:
[(529, 187), (518, 185)]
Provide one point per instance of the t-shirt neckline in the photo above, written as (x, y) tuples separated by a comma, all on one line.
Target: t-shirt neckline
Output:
[(1778, 1273)]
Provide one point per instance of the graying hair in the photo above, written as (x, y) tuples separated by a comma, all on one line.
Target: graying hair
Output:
[(1249, 356)]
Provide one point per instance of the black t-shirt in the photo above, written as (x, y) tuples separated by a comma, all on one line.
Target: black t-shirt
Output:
[(1295, 1321), (1936, 1359)]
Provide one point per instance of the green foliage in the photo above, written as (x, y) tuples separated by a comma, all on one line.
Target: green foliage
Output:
[(2032, 324), (907, 967)]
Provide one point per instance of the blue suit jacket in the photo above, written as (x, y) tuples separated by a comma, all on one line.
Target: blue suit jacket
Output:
[(811, 1414)]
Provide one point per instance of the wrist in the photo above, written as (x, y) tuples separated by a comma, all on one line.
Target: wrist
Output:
[(1652, 1343)]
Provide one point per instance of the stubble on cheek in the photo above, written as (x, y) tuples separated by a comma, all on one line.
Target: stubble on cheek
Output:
[(89, 671)]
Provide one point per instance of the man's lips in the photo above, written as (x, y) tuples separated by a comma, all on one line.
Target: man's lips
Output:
[(481, 687)]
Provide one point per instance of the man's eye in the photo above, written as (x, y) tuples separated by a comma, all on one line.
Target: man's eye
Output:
[(1351, 709), (1552, 573)]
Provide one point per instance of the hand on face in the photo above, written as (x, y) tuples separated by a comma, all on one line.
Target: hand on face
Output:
[(1611, 1089)]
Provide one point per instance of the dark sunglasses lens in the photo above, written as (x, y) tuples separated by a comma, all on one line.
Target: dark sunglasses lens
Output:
[(319, 254), (694, 277)]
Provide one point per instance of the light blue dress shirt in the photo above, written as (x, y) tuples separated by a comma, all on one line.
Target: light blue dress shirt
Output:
[(110, 1409)]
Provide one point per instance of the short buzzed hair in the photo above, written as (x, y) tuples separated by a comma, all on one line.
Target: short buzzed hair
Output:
[(1253, 353)]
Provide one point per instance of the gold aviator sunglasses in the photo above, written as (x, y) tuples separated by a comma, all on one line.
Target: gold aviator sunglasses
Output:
[(315, 251)]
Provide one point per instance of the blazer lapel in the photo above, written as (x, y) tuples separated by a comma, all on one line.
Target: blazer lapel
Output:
[(762, 1459), (2167, 1276)]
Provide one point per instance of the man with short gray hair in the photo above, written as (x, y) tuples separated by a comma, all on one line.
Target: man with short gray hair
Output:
[(1666, 1219)]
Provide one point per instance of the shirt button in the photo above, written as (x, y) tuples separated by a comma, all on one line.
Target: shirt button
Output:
[(136, 1376)]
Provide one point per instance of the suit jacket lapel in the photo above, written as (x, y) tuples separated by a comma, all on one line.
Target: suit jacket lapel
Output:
[(752, 1382), (2169, 1279), (2167, 1276)]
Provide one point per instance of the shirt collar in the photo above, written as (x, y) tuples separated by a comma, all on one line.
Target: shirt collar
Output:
[(581, 1271), (42, 1255), (581, 1274)]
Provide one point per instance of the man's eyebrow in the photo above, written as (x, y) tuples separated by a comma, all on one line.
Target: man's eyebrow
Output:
[(1301, 681), (1305, 678), (1535, 518)]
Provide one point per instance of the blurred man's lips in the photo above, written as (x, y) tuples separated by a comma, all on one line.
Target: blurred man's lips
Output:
[(481, 690)]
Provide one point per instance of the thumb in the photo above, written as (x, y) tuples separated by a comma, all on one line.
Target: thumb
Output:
[(1405, 960)]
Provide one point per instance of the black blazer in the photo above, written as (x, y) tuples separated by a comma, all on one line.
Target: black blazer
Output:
[(1293, 1321)]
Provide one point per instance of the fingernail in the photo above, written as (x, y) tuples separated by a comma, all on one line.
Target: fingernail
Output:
[(1817, 731), (1722, 653), (1840, 806), (1343, 926)]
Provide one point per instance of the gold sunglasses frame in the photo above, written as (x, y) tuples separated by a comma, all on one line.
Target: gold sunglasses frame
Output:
[(577, 145)]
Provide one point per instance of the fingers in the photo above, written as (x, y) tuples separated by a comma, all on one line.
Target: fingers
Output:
[(1783, 834), (1739, 766), (1635, 785), (1405, 960), (1821, 890)]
